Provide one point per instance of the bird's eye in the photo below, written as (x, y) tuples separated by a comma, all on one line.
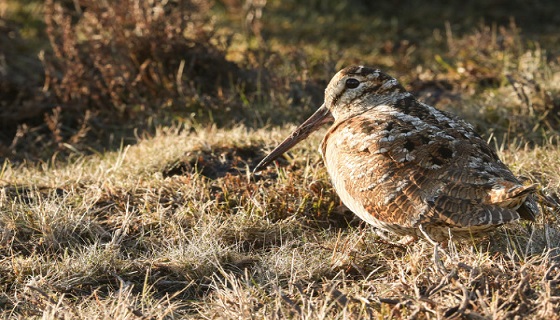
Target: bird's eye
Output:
[(352, 83)]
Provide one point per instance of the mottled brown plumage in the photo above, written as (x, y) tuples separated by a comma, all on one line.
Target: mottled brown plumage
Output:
[(404, 166)]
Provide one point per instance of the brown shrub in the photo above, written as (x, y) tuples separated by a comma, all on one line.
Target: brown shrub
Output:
[(118, 62), (131, 57)]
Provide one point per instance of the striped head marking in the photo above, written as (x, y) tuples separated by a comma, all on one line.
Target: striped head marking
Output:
[(356, 89)]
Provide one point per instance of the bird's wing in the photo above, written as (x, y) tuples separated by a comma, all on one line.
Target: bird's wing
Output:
[(412, 174)]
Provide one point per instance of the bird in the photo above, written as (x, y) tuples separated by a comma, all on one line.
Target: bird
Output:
[(406, 167)]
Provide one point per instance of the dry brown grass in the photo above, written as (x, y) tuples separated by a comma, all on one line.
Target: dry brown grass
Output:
[(155, 230), (171, 224)]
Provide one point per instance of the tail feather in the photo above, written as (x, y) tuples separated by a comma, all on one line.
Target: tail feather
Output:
[(529, 209), (510, 196)]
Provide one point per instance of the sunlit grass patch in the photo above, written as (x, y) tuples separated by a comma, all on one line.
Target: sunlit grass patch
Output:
[(121, 229)]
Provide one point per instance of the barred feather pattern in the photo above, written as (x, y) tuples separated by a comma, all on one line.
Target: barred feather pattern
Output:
[(404, 166)]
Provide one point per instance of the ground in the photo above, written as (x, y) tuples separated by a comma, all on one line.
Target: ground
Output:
[(142, 204)]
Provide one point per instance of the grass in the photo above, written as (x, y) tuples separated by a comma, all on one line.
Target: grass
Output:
[(158, 216), (160, 231)]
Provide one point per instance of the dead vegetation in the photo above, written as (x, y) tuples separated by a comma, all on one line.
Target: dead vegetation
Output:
[(120, 234), (127, 64), (167, 221)]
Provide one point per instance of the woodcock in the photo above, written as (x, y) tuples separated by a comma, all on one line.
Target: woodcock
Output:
[(409, 168)]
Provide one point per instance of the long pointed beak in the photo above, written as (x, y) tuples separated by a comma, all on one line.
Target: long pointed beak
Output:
[(319, 118)]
